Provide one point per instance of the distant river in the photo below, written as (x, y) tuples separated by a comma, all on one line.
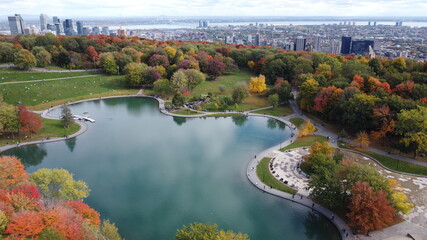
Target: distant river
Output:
[(151, 173), (194, 25)]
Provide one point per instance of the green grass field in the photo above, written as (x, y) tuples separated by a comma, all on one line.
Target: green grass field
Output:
[(297, 121), (42, 95), (229, 81), (11, 75), (184, 111), (50, 128), (305, 142), (265, 176), (279, 111), (390, 162)]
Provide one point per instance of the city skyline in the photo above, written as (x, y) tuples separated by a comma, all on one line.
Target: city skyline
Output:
[(100, 8)]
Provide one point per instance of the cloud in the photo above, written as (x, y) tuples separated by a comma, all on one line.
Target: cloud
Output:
[(71, 8)]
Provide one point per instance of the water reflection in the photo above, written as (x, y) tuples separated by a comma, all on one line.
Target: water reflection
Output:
[(71, 143), (239, 120), (179, 120), (30, 155), (271, 123), (316, 227)]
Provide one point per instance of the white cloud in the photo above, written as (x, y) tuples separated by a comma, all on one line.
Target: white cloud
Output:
[(215, 7)]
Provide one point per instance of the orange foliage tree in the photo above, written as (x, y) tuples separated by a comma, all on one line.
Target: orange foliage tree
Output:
[(12, 172), (25, 224), (369, 210), (88, 213), (30, 122)]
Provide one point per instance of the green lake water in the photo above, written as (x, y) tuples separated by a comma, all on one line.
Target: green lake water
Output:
[(151, 173)]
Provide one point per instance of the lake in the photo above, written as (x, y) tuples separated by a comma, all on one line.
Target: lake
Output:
[(151, 173)]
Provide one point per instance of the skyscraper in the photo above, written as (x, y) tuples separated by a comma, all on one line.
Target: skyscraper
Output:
[(79, 27), (95, 30), (345, 45), (317, 43), (257, 40), (68, 27), (361, 47), (105, 31), (335, 47), (300, 43), (16, 24), (44, 20)]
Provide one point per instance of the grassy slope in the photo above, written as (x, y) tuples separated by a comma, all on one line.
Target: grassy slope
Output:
[(42, 95), (265, 176), (279, 111), (305, 142), (50, 128), (297, 121), (390, 162)]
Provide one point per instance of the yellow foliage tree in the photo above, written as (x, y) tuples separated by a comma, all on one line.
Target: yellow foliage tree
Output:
[(171, 52), (307, 128), (362, 138), (257, 84), (322, 148), (398, 198), (251, 64)]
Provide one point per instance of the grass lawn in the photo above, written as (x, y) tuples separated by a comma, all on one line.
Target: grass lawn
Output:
[(279, 111), (390, 162), (229, 81), (42, 95), (50, 128), (297, 121), (185, 111), (12, 75), (305, 142), (265, 176)]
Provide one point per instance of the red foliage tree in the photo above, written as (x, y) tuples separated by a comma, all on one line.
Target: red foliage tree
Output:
[(28, 190), (88, 213), (12, 172), (215, 68), (158, 60), (30, 122), (25, 224), (92, 54), (404, 89), (358, 81), (71, 224), (369, 210), (384, 85)]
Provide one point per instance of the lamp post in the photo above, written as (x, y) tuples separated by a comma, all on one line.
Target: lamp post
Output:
[(118, 70)]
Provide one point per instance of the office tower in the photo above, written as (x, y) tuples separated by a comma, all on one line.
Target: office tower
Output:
[(249, 39), (58, 28), (300, 43), (335, 47), (51, 27), (105, 31), (375, 24), (361, 47), (44, 20), (79, 28), (289, 46), (55, 19), (399, 23), (369, 23), (200, 23), (86, 31), (95, 30), (16, 24), (257, 40), (68, 27), (317, 43), (345, 45), (205, 23)]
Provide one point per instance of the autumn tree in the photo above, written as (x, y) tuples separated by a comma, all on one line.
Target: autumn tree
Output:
[(321, 148), (43, 57), (200, 231), (158, 60), (412, 126), (194, 78), (24, 59), (25, 224), (109, 230), (108, 63), (215, 68), (87, 213), (306, 129), (398, 198), (369, 210), (30, 122), (273, 99), (178, 100), (9, 121), (239, 93), (162, 86), (308, 91), (12, 172), (134, 73), (257, 84), (67, 117), (362, 138), (6, 52), (179, 81), (59, 184)]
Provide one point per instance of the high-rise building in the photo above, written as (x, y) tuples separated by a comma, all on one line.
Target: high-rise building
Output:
[(79, 27), (105, 31), (345, 45), (206, 23), (200, 23), (335, 47), (361, 47), (249, 40), (58, 28), (257, 40), (289, 46), (317, 43), (375, 24), (55, 19), (44, 20), (95, 30), (16, 24), (68, 27), (300, 43), (399, 23), (86, 31), (369, 23)]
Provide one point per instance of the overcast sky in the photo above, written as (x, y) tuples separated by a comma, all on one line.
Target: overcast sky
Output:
[(128, 8)]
